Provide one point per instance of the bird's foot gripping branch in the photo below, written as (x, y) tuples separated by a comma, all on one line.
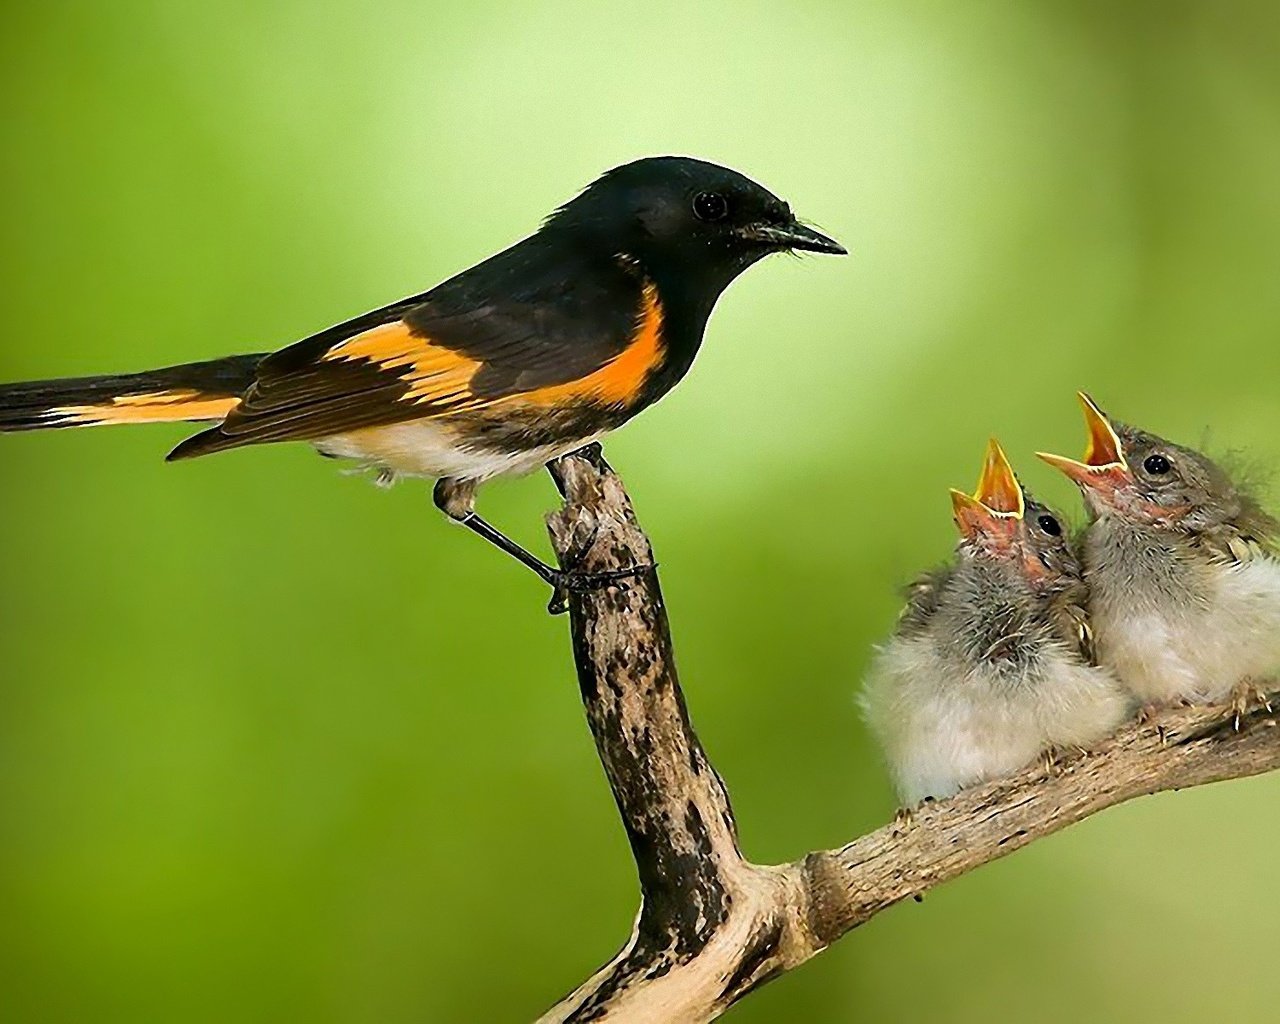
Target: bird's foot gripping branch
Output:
[(713, 926)]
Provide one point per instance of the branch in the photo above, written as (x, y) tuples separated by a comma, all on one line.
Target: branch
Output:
[(712, 926)]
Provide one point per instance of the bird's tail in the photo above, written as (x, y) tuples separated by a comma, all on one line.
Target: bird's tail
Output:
[(189, 393)]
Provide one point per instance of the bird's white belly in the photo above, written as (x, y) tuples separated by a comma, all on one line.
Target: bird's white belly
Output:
[(1198, 652), (429, 448), (945, 726), (966, 741)]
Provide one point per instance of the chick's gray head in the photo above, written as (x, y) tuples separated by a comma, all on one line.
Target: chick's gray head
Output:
[(1143, 478)]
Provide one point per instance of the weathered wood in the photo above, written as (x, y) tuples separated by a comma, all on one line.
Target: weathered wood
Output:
[(712, 926)]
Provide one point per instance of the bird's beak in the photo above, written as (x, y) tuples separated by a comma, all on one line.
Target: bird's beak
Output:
[(998, 505), (794, 236), (998, 487), (1104, 466)]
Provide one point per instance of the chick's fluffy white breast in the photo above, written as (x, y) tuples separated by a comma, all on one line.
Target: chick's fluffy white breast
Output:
[(952, 709)]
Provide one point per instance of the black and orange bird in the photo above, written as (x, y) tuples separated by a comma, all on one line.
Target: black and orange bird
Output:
[(531, 354)]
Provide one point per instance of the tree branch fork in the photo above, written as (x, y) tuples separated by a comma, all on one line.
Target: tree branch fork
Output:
[(713, 926)]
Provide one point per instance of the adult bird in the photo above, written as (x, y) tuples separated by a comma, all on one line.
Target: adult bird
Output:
[(533, 353)]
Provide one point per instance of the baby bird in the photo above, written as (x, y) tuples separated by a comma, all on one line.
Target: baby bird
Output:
[(990, 666), (1183, 573)]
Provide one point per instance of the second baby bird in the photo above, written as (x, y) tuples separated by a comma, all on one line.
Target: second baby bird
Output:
[(990, 665), (1182, 565)]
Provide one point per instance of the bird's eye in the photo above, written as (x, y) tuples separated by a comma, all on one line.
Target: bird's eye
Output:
[(710, 206), (1156, 465), (1050, 526)]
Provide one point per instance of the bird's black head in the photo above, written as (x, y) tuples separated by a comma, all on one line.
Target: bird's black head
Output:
[(685, 216)]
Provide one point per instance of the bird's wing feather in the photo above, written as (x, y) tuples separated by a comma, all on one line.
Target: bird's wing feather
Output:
[(435, 357), (923, 595)]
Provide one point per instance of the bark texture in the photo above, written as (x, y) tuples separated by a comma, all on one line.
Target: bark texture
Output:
[(712, 926)]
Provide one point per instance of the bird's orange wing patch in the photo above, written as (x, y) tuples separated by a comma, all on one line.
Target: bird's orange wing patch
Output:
[(441, 378), (620, 380), (436, 375)]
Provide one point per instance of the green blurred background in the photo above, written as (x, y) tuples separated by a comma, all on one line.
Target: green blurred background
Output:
[(277, 745)]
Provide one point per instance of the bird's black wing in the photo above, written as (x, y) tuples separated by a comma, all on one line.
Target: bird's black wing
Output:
[(470, 345)]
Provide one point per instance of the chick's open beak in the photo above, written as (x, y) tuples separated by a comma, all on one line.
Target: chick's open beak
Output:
[(997, 506), (1104, 466), (998, 487)]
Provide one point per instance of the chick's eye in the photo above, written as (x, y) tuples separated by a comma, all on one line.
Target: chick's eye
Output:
[(1156, 465), (1050, 526), (710, 206)]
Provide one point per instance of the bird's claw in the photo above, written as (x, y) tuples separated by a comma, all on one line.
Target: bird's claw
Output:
[(904, 818), (1245, 698), (1055, 759), (574, 581), (1148, 714)]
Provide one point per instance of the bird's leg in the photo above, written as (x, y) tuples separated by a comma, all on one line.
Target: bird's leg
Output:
[(456, 499)]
